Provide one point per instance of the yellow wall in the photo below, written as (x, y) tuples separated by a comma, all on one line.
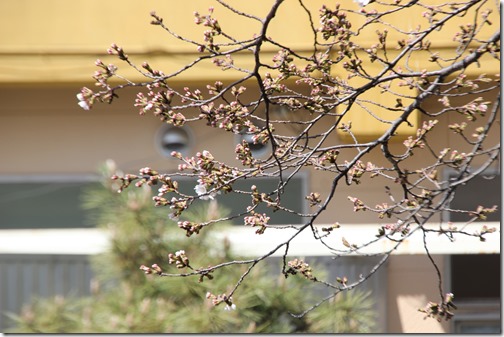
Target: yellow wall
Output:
[(58, 40)]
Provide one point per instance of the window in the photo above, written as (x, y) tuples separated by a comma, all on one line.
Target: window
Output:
[(47, 202), (484, 190), (293, 198), (50, 202), (478, 327), (476, 277), (476, 283)]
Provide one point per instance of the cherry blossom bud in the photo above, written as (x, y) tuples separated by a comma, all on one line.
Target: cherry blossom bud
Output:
[(157, 268), (176, 154)]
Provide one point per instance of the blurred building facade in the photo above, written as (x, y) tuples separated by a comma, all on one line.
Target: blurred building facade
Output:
[(50, 149)]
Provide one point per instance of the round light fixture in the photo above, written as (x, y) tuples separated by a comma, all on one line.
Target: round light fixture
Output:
[(171, 138)]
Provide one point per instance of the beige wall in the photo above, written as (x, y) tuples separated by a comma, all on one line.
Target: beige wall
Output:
[(411, 285), (43, 131)]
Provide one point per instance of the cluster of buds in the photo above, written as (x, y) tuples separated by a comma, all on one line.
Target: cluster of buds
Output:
[(356, 171), (334, 24), (299, 266), (358, 204), (146, 176), (458, 158), (178, 205), (214, 176), (282, 61), (392, 228), (190, 227), (168, 186), (180, 259), (148, 171), (263, 136), (244, 154), (273, 84), (175, 118), (384, 210), (189, 95), (231, 117), (458, 128), (159, 104), (157, 20), (86, 98), (329, 229), (313, 198), (216, 88), (255, 220), (125, 180), (463, 81), (485, 229), (481, 212), (258, 198), (208, 35), (479, 132), (154, 73), (222, 298), (329, 157), (353, 65), (202, 162), (413, 203), (116, 50), (418, 142), (440, 310), (154, 269), (224, 63), (412, 143), (106, 72)]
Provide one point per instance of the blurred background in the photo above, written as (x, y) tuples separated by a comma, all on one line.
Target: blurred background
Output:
[(70, 247)]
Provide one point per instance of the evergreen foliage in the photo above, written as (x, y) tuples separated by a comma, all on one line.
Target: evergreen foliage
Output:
[(124, 300)]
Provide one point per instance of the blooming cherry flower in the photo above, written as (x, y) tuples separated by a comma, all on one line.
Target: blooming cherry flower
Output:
[(83, 102), (230, 307), (201, 190), (362, 3)]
